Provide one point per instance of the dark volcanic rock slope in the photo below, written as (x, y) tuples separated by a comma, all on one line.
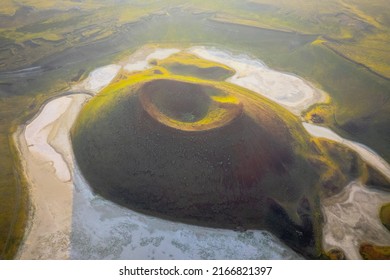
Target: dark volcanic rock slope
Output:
[(202, 152)]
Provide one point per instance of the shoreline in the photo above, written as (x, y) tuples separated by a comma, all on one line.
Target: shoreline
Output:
[(49, 219), (40, 222), (367, 154)]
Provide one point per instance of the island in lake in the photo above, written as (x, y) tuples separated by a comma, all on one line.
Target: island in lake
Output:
[(188, 132)]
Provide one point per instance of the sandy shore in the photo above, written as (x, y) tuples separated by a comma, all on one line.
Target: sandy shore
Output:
[(292, 92), (98, 79), (51, 189), (37, 132)]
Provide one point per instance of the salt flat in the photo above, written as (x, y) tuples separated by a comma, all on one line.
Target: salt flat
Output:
[(50, 182), (98, 79), (352, 218)]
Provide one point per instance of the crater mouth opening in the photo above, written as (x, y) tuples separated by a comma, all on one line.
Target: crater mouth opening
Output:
[(188, 106), (180, 101)]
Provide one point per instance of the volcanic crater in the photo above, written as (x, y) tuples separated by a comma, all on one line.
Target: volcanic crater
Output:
[(188, 106), (202, 152)]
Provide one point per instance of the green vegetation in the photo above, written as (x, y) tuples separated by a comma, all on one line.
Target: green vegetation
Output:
[(357, 29), (13, 188), (365, 122), (13, 209)]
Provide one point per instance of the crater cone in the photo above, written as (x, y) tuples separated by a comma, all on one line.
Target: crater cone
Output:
[(208, 153)]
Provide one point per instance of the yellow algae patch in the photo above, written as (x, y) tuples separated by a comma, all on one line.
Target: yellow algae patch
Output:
[(190, 65), (225, 99), (320, 114), (373, 252), (318, 41), (385, 215)]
